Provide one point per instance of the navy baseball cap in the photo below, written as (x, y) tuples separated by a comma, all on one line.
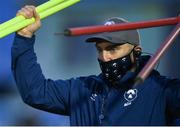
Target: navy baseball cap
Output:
[(121, 37)]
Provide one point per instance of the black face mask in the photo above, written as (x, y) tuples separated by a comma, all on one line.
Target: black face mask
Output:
[(114, 70)]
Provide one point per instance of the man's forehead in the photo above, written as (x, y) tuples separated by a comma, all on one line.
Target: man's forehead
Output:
[(104, 45), (107, 43)]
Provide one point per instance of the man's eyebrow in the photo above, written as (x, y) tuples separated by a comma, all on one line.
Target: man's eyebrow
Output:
[(112, 46), (108, 47)]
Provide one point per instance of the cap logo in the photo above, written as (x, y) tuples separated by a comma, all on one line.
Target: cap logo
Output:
[(108, 23)]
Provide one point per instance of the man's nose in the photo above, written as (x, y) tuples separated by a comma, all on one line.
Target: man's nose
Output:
[(105, 56)]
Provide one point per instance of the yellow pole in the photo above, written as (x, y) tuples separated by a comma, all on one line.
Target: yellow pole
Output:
[(39, 9), (43, 15)]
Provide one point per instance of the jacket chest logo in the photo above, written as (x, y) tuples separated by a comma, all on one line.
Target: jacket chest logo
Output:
[(93, 96), (130, 96)]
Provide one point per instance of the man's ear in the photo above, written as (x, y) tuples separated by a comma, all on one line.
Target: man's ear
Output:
[(137, 51)]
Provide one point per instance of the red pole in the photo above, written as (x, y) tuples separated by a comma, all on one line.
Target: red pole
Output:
[(153, 61), (123, 26)]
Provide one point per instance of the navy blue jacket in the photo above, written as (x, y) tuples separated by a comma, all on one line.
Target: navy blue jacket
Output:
[(90, 100)]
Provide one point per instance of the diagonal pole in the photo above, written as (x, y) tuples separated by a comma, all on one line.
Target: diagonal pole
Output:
[(144, 73)]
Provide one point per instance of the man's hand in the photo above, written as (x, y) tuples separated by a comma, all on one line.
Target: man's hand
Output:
[(29, 12)]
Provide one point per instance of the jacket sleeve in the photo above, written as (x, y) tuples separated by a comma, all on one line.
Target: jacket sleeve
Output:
[(173, 97), (41, 93)]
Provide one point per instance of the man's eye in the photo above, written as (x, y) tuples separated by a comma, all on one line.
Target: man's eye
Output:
[(113, 49)]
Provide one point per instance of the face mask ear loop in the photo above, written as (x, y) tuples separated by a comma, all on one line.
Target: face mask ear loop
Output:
[(136, 55)]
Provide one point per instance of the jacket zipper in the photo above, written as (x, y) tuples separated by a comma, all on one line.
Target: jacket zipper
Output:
[(101, 116), (105, 96)]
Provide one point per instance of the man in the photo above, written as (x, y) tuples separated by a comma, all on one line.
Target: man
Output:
[(106, 99)]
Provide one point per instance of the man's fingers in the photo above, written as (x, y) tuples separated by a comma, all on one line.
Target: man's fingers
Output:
[(24, 12), (20, 12), (27, 11), (30, 6), (37, 18)]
